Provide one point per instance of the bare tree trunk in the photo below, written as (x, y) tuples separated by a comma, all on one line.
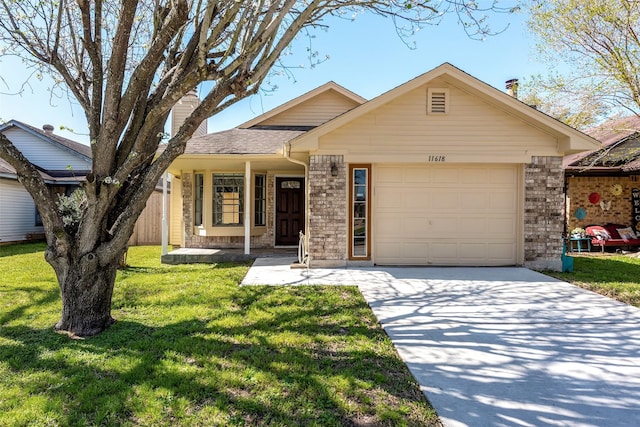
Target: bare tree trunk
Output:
[(86, 288)]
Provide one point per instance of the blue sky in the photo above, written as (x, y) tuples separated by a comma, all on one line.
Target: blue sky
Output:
[(365, 56)]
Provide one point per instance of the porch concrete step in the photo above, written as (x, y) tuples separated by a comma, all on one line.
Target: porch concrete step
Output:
[(211, 256)]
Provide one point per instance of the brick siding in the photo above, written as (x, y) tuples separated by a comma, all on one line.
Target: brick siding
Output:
[(327, 212), (578, 190), (543, 213)]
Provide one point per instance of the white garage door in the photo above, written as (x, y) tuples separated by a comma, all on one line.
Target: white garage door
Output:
[(445, 215)]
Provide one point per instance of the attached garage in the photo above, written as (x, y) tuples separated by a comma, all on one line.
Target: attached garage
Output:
[(426, 214)]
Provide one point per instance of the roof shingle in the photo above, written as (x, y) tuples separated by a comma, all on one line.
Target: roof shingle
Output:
[(242, 141)]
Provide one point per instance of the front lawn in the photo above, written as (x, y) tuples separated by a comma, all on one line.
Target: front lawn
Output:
[(191, 347), (616, 276)]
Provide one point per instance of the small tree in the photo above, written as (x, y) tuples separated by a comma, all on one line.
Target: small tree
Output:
[(127, 63), (598, 41)]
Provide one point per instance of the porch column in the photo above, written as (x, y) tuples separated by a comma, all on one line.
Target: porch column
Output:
[(165, 223), (247, 207)]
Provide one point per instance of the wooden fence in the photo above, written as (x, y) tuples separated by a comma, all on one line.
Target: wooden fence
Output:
[(148, 229)]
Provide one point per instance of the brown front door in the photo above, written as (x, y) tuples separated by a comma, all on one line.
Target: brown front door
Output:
[(289, 210)]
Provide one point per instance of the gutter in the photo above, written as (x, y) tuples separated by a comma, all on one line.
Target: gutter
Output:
[(286, 152)]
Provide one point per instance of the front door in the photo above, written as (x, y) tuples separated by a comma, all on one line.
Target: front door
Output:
[(289, 210)]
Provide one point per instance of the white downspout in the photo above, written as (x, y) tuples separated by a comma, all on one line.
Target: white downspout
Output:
[(165, 223), (247, 207), (286, 154)]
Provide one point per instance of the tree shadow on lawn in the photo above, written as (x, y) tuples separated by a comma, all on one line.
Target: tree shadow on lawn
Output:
[(38, 298), (285, 368)]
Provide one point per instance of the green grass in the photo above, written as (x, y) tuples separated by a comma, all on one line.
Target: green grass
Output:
[(616, 276), (192, 348)]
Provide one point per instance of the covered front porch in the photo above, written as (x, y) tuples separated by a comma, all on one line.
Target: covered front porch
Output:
[(238, 203)]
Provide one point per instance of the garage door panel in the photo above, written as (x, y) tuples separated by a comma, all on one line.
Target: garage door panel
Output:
[(388, 198), (418, 201), (416, 175), (500, 201), (445, 215), (389, 175), (470, 226), (444, 200), (388, 226), (502, 176), (444, 175), (407, 253), (504, 227), (502, 251), (473, 176), (472, 201)]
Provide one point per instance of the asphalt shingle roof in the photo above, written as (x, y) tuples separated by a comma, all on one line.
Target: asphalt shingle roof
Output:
[(621, 147), (242, 141), (72, 145)]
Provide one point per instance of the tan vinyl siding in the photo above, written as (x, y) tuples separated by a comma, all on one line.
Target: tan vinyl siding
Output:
[(314, 111), (403, 127), (176, 226)]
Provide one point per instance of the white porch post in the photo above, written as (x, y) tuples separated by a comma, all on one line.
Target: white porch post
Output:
[(165, 224), (247, 207)]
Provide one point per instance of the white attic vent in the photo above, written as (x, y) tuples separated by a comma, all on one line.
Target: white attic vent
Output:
[(437, 101)]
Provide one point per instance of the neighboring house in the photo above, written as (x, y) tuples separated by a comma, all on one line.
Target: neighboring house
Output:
[(442, 170), (62, 163), (601, 183)]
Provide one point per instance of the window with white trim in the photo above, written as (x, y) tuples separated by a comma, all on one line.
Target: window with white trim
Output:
[(260, 202), (198, 198), (360, 212), (228, 199)]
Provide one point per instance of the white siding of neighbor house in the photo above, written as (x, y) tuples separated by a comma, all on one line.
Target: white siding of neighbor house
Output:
[(17, 212), (44, 154), (473, 130), (313, 112)]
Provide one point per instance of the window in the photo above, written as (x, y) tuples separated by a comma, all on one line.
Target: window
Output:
[(38, 221), (260, 201), (437, 101), (198, 198), (228, 199), (359, 216)]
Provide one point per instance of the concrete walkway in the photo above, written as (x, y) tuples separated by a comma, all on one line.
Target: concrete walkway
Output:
[(499, 346)]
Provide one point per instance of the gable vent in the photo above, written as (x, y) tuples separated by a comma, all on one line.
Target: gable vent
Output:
[(437, 101)]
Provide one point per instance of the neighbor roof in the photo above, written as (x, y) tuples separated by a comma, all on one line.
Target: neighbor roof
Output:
[(8, 171), (621, 148), (67, 144)]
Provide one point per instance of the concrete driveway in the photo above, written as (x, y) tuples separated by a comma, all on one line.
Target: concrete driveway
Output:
[(500, 346)]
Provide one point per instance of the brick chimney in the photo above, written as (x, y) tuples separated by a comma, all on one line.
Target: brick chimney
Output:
[(181, 111)]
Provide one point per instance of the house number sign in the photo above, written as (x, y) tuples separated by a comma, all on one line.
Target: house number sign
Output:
[(436, 158), (635, 208)]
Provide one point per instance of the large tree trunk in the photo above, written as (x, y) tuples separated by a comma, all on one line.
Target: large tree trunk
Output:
[(86, 288)]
